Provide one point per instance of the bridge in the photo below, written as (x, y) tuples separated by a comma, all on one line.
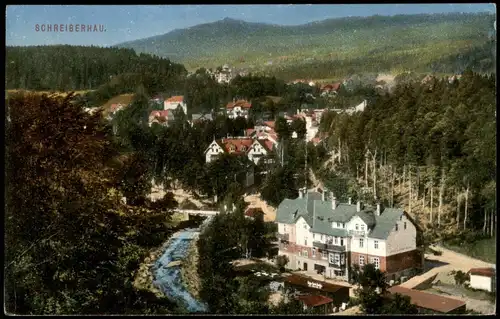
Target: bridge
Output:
[(188, 212)]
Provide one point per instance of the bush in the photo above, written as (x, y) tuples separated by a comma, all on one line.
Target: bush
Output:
[(461, 277)]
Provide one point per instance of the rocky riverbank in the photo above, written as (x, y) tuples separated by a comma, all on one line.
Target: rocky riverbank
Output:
[(189, 270), (144, 276)]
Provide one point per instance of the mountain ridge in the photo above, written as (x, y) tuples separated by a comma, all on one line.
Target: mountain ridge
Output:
[(250, 44)]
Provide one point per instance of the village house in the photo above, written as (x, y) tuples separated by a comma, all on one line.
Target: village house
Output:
[(320, 235), (175, 101), (330, 89), (238, 108), (224, 75), (483, 278), (164, 117), (254, 149), (197, 118), (428, 303)]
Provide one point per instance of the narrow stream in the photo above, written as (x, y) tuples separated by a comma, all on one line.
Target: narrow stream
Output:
[(168, 279)]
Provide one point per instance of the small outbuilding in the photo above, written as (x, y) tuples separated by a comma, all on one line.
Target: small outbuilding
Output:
[(483, 278)]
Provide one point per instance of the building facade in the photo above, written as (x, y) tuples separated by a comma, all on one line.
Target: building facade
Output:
[(175, 101), (320, 235)]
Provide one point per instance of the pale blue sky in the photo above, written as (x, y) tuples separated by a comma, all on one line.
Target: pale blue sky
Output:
[(126, 23)]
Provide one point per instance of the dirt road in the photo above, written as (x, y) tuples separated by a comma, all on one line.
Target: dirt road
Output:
[(448, 261), (254, 200)]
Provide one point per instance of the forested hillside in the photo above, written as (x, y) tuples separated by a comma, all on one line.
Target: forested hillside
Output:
[(429, 147), (68, 68), (342, 46)]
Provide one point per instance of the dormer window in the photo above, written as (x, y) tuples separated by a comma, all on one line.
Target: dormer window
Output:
[(357, 226), (243, 148), (363, 227), (232, 148)]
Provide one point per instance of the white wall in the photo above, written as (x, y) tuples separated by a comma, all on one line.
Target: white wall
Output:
[(216, 150), (380, 251), (402, 240), (173, 106), (302, 230), (481, 282)]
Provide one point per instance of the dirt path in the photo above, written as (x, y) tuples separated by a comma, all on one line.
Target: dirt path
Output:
[(254, 200), (448, 261), (180, 195)]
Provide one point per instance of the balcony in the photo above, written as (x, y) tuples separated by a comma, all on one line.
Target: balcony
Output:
[(319, 245), (283, 237), (359, 233), (335, 248)]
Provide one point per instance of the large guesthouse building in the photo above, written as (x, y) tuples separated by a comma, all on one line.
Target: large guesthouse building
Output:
[(320, 235)]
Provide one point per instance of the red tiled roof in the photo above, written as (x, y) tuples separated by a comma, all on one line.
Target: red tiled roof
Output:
[(157, 113), (173, 99), (249, 131), (241, 145), (116, 106), (241, 103), (331, 87), (316, 140), (485, 272), (427, 300), (314, 300), (253, 211), (304, 282), (270, 124)]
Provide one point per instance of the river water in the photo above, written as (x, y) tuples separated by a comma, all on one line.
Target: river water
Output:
[(168, 279)]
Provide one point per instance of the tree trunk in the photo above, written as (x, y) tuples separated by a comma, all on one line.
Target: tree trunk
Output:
[(441, 194), (392, 192), (357, 172), (423, 200), (458, 211), (492, 218), (366, 170), (485, 220), (432, 200), (340, 150), (466, 206), (418, 182), (409, 186), (374, 174)]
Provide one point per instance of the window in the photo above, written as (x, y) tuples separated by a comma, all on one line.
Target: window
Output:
[(375, 244), (304, 253), (361, 242), (341, 241), (331, 258), (376, 262), (284, 228), (342, 259), (357, 227), (314, 252), (305, 242), (363, 227), (305, 226), (404, 224), (337, 259), (343, 225), (396, 227), (361, 260), (324, 255), (338, 225), (336, 240)]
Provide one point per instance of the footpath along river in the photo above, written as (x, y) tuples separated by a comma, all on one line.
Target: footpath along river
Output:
[(168, 279)]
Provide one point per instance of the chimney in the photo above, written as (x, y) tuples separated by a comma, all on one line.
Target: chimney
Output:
[(323, 195), (358, 206), (378, 209), (301, 195), (350, 201), (334, 203)]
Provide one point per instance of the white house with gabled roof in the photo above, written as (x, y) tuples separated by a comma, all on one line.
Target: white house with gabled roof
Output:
[(321, 235)]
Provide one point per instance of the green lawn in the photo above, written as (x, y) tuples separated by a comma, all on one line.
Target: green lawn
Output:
[(484, 249)]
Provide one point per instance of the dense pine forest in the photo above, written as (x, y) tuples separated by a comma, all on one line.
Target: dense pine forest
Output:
[(428, 146), (73, 68)]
